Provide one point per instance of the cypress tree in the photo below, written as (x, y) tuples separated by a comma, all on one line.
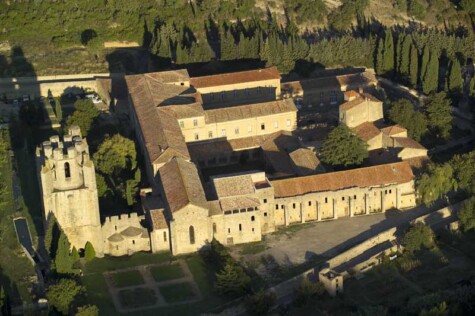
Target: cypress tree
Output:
[(425, 62), (431, 77), (63, 261), (379, 57), (228, 47), (89, 252), (413, 66), (405, 57), (455, 77), (388, 64)]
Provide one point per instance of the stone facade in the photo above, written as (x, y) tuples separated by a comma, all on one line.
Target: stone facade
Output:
[(68, 188)]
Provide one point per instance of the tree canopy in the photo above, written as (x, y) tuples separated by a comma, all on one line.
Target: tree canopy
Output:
[(62, 294), (439, 115), (417, 237), (343, 148), (402, 112), (435, 183), (84, 115), (232, 281), (467, 214)]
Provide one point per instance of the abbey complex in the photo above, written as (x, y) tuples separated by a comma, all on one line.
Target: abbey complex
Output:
[(191, 130)]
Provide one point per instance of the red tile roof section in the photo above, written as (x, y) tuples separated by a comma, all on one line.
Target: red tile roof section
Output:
[(235, 77)]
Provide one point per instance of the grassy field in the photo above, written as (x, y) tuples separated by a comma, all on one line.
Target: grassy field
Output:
[(97, 292), (127, 278), (177, 292), (139, 297), (166, 272)]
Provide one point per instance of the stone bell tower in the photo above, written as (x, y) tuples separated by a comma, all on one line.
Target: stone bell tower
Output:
[(68, 188)]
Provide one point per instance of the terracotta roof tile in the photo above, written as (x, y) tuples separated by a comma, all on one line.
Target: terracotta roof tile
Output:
[(362, 177), (362, 97), (366, 131), (407, 142), (235, 77), (305, 162), (158, 219), (182, 184), (249, 110), (237, 203), (393, 130), (233, 185)]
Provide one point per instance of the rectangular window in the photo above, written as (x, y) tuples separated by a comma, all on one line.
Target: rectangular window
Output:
[(182, 124), (293, 205), (223, 132), (326, 200), (210, 134), (229, 230), (277, 206), (195, 122), (263, 126), (333, 97), (390, 191), (309, 203), (265, 201), (164, 236), (282, 207), (265, 214), (276, 124), (342, 198), (236, 131), (197, 136), (240, 227), (354, 197), (287, 123)]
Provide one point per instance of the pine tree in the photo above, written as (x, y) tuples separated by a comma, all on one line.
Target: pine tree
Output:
[(413, 66), (388, 63), (430, 81), (228, 47), (455, 77), (232, 280), (342, 148), (89, 252)]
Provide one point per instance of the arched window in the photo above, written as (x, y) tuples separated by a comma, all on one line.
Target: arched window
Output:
[(252, 218), (192, 235), (67, 171)]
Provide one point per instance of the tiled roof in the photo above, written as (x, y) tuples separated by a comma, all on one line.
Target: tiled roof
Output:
[(360, 98), (233, 186), (235, 77), (214, 208), (305, 162), (203, 150), (159, 128), (237, 203), (276, 148), (366, 131), (158, 219), (182, 184), (172, 76), (407, 142), (393, 130), (183, 111), (249, 111), (362, 177)]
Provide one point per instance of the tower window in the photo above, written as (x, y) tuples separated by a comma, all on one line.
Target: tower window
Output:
[(192, 235), (240, 227), (67, 170), (164, 236)]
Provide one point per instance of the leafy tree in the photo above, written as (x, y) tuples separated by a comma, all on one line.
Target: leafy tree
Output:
[(89, 252), (343, 148), (260, 303), (414, 66), (402, 112), (115, 154), (455, 77), (439, 114), (467, 214), (416, 9), (431, 77), (88, 310), (437, 181), (84, 115), (464, 171), (50, 234), (232, 280), (417, 237), (5, 306), (62, 294), (307, 290)]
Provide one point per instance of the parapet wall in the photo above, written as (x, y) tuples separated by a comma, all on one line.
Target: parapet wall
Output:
[(39, 86)]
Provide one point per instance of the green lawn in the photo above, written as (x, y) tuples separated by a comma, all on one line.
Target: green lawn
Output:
[(177, 292), (252, 248), (127, 278), (139, 297), (167, 272)]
